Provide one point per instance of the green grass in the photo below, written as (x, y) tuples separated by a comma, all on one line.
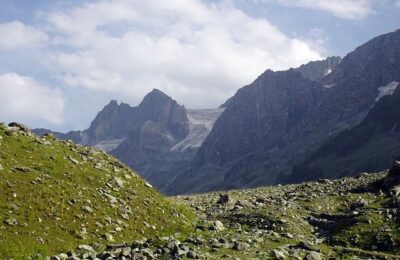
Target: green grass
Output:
[(61, 178)]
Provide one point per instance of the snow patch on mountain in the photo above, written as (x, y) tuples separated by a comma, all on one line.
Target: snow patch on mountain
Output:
[(109, 145), (201, 122), (328, 86), (387, 90), (327, 72)]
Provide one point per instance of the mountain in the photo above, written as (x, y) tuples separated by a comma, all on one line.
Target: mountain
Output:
[(369, 147), (317, 70), (56, 195), (158, 138), (282, 117)]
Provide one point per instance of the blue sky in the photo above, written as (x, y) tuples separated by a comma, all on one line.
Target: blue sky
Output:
[(62, 61)]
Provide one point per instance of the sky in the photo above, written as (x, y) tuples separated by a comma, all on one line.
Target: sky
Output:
[(62, 61)]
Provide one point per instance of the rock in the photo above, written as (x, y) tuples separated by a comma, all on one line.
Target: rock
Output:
[(324, 181), (85, 248), (22, 169), (240, 246), (19, 126), (60, 257), (126, 251), (125, 216), (193, 255), (223, 199), (288, 235), (279, 254), (184, 247), (173, 245), (218, 226), (245, 204), (313, 256), (11, 222), (87, 209), (98, 166), (74, 161), (13, 207), (391, 183), (148, 185), (308, 246), (119, 182)]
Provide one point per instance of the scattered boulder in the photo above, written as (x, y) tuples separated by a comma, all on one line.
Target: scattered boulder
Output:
[(19, 126), (313, 256), (87, 209), (279, 254), (223, 199), (119, 182), (11, 222), (240, 246), (218, 226), (391, 182)]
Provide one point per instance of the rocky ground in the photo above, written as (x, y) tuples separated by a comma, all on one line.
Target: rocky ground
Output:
[(350, 218), (74, 202)]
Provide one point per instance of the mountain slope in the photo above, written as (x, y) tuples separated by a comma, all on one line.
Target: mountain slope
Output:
[(371, 146), (56, 195), (277, 121)]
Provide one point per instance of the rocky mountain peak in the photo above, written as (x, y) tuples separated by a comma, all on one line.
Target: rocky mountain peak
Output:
[(155, 98), (316, 70)]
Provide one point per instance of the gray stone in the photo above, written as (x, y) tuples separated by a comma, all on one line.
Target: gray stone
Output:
[(126, 251), (313, 256), (119, 182), (85, 248), (218, 226), (87, 209), (22, 169), (279, 254), (11, 222), (193, 255), (240, 246), (19, 126)]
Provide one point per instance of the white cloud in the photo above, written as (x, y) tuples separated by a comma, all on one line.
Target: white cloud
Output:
[(198, 53), (23, 99), (16, 35), (345, 9)]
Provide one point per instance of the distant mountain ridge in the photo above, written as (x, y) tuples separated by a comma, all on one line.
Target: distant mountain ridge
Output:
[(158, 138), (282, 117), (265, 134)]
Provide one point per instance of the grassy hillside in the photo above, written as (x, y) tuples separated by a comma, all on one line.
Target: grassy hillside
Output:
[(55, 195)]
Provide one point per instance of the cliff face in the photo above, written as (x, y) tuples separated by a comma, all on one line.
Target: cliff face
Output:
[(317, 70), (282, 117), (371, 146)]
